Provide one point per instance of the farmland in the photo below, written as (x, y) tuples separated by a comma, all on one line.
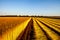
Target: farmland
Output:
[(29, 28)]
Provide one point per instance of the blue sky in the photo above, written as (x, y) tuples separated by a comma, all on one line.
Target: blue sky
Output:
[(30, 7)]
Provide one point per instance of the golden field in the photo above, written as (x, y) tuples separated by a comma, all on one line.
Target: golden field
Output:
[(29, 28)]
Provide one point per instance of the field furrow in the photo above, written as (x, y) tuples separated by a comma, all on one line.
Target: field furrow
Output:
[(52, 35), (39, 34)]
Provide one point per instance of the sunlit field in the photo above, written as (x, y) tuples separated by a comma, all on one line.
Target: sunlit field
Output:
[(29, 28)]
